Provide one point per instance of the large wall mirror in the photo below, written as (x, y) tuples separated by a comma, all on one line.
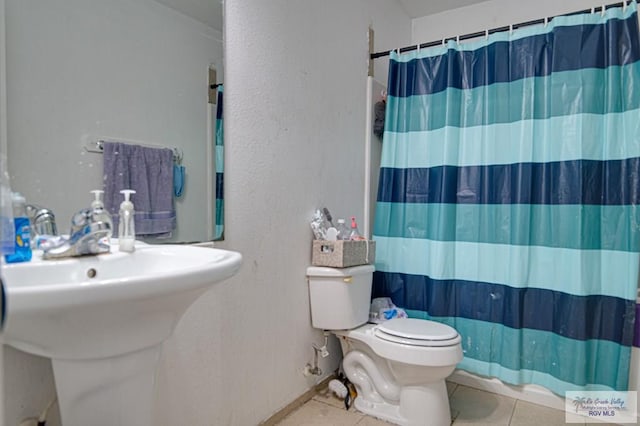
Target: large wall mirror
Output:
[(137, 71)]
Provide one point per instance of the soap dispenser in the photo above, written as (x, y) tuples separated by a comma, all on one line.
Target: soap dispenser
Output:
[(98, 211), (126, 227)]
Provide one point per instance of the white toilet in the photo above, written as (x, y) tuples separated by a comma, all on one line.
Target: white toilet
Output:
[(398, 367)]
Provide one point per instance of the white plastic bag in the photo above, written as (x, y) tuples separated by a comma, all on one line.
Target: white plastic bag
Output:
[(382, 309)]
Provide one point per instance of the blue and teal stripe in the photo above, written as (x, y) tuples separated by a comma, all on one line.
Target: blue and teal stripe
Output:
[(525, 32), (528, 57), (573, 226), (536, 356), (560, 182), (535, 141), (576, 272), (582, 91), (585, 317), (219, 162)]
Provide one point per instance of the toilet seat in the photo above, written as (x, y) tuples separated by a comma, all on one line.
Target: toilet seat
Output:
[(417, 332)]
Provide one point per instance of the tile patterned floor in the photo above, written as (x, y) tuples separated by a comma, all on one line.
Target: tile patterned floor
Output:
[(468, 407)]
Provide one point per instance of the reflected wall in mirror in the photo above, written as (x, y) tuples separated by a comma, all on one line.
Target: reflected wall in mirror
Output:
[(129, 70)]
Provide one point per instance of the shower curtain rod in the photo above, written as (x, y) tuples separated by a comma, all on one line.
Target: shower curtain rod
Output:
[(494, 30)]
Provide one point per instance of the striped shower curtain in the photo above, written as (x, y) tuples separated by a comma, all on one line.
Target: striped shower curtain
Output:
[(219, 161), (508, 193)]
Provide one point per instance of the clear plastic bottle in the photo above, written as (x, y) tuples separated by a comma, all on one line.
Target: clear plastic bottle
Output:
[(343, 230), (22, 247), (126, 229), (355, 234), (99, 212), (7, 227)]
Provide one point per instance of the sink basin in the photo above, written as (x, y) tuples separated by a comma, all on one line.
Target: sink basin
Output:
[(102, 320), (97, 306)]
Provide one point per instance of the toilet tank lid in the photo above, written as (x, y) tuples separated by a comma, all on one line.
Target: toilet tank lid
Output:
[(324, 271)]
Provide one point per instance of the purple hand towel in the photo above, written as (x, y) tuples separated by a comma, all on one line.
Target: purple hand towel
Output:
[(149, 172)]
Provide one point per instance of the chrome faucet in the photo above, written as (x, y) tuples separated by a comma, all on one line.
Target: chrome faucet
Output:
[(42, 220), (90, 231)]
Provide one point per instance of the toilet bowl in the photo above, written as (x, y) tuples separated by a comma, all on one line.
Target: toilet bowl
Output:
[(398, 367)]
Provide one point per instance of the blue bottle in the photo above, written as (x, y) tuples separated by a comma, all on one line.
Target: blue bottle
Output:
[(22, 249)]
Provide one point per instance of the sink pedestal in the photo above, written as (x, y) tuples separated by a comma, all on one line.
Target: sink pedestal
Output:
[(102, 321), (114, 391)]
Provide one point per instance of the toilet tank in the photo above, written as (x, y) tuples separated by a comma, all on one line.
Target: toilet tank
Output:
[(339, 297)]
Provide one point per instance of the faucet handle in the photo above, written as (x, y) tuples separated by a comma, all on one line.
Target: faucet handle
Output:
[(32, 210), (81, 218), (42, 220), (80, 224)]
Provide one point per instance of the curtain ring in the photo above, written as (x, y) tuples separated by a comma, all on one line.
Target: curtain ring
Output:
[(510, 29), (418, 48), (457, 39), (593, 10), (603, 10), (624, 5), (443, 41), (486, 34), (546, 21)]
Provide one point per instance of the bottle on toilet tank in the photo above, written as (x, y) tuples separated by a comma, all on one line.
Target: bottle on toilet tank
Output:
[(355, 233), (343, 230)]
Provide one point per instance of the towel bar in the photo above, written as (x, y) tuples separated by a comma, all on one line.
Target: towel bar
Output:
[(96, 146)]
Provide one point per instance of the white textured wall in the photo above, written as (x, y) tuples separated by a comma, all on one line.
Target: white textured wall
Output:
[(295, 93), (129, 69), (491, 14)]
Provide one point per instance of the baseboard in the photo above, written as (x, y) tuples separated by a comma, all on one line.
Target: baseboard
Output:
[(297, 403)]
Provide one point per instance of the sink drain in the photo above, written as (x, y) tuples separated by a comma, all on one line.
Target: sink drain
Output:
[(91, 273)]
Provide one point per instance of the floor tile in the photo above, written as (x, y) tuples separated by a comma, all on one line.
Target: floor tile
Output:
[(315, 413), (454, 414), (451, 387), (372, 421), (527, 414), (480, 408)]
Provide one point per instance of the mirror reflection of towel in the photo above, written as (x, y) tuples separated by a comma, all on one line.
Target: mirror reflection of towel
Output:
[(148, 171)]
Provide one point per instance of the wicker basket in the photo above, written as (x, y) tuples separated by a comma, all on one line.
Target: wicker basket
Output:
[(342, 254)]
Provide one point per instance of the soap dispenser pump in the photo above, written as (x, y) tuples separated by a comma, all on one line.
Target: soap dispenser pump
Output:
[(126, 227), (99, 212)]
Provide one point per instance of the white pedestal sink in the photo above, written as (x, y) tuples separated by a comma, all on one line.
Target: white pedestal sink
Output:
[(102, 320)]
